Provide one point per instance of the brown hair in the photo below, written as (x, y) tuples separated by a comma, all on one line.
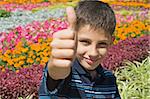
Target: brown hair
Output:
[(97, 14)]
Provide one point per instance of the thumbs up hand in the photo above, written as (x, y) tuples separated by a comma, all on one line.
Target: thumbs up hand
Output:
[(64, 46)]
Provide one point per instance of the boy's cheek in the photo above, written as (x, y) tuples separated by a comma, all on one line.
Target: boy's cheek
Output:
[(80, 50), (103, 51)]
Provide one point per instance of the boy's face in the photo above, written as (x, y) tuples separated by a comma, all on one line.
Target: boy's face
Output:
[(92, 46)]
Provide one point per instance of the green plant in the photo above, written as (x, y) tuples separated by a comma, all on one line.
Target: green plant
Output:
[(4, 13), (134, 80), (45, 0)]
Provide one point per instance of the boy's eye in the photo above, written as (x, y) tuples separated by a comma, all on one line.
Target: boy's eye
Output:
[(84, 42), (102, 45)]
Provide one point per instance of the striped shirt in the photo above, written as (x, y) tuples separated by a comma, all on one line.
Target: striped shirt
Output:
[(79, 85)]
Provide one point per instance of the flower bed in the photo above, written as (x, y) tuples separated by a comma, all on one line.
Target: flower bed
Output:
[(21, 84), (25, 47), (132, 49), (30, 45)]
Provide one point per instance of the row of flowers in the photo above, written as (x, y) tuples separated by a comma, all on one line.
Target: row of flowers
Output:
[(23, 18), (25, 55), (134, 29), (14, 6), (130, 81), (133, 4), (26, 13), (142, 3), (30, 6), (30, 45), (32, 32)]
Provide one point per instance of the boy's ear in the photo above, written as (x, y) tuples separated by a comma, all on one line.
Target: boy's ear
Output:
[(71, 17)]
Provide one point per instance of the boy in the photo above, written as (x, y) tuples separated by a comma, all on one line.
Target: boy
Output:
[(74, 70)]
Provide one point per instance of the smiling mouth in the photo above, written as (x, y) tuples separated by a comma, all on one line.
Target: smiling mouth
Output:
[(89, 61)]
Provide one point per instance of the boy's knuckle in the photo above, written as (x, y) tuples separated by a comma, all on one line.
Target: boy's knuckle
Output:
[(68, 63), (72, 43), (54, 52), (71, 52)]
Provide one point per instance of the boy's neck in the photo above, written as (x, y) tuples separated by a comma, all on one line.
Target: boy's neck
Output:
[(93, 74)]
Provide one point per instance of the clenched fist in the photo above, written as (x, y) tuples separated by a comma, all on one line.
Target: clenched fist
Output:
[(64, 47)]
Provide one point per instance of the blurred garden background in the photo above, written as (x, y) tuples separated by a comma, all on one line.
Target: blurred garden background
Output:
[(26, 30)]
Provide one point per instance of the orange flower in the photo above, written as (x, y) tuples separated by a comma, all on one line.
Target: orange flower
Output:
[(17, 71), (38, 59), (21, 62), (4, 58), (24, 50), (40, 40), (33, 56), (30, 54), (8, 51), (3, 70), (15, 60), (49, 40), (30, 60), (44, 59), (35, 47), (45, 53), (17, 65), (10, 62), (22, 57), (123, 37), (133, 35), (6, 55)]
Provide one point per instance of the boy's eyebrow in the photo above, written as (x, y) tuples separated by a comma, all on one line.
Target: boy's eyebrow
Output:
[(84, 39), (101, 41)]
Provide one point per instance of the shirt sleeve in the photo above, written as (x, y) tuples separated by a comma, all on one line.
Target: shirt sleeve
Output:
[(52, 84), (48, 86)]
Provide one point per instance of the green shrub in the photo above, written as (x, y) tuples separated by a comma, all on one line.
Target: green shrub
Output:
[(134, 80), (4, 13)]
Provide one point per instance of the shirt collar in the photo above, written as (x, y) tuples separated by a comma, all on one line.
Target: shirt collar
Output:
[(80, 69)]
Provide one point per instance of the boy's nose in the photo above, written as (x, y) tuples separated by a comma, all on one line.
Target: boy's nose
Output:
[(93, 53)]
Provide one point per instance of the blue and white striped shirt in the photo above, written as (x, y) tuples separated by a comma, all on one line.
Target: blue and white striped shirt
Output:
[(79, 85)]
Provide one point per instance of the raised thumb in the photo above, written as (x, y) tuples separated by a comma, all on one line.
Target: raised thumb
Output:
[(71, 17)]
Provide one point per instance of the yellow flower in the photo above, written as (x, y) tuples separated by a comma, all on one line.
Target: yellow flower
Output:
[(45, 53), (21, 62), (30, 54), (45, 59), (16, 51), (40, 40), (1, 56), (35, 47), (3, 70), (17, 65), (30, 60), (10, 62), (19, 44), (22, 57), (44, 46), (133, 35), (15, 60), (17, 71), (6, 55), (24, 50), (33, 56), (49, 40), (123, 37), (4, 58), (38, 59), (8, 51)]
